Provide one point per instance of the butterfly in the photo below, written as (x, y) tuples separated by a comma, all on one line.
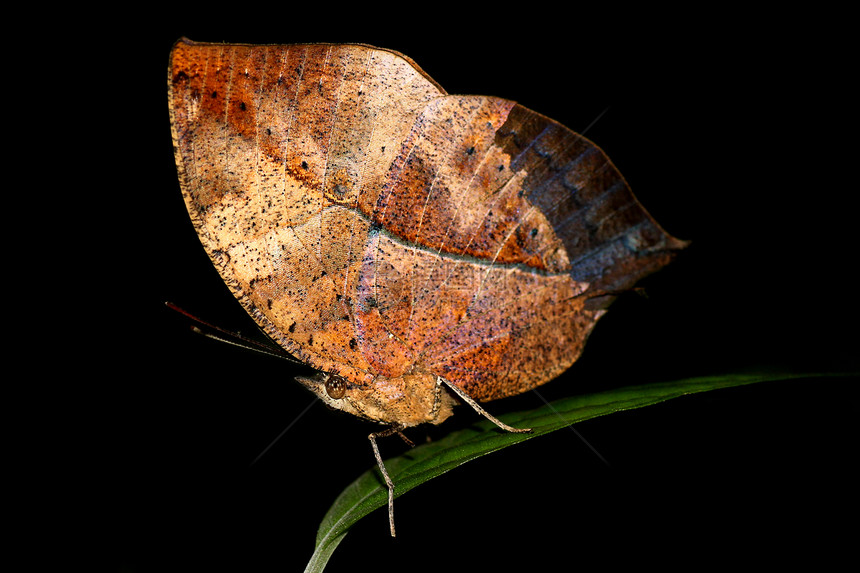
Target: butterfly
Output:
[(418, 249)]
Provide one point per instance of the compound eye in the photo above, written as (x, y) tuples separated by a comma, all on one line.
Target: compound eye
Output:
[(335, 386)]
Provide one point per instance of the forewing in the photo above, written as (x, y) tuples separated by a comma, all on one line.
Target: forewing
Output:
[(276, 145)]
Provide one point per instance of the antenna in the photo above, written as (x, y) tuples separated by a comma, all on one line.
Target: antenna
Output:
[(232, 338)]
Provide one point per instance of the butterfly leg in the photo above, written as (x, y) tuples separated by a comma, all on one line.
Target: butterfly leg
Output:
[(395, 429), (468, 400)]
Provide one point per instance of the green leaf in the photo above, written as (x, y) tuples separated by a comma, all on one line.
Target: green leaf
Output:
[(428, 461)]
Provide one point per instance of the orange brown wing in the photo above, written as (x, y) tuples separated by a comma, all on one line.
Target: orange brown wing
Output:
[(373, 225)]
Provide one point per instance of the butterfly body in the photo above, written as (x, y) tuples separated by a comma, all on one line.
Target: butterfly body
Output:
[(391, 235)]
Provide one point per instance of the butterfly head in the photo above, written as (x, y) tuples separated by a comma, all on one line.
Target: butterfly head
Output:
[(407, 400)]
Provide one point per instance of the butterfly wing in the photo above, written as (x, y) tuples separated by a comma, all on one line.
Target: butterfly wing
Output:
[(275, 146), (373, 225), (503, 233)]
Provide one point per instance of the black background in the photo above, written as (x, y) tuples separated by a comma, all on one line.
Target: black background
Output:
[(728, 128)]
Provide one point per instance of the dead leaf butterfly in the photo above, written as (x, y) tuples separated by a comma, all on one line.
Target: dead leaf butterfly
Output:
[(418, 249)]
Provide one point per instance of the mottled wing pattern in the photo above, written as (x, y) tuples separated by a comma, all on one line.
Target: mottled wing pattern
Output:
[(500, 225), (276, 145), (373, 225)]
